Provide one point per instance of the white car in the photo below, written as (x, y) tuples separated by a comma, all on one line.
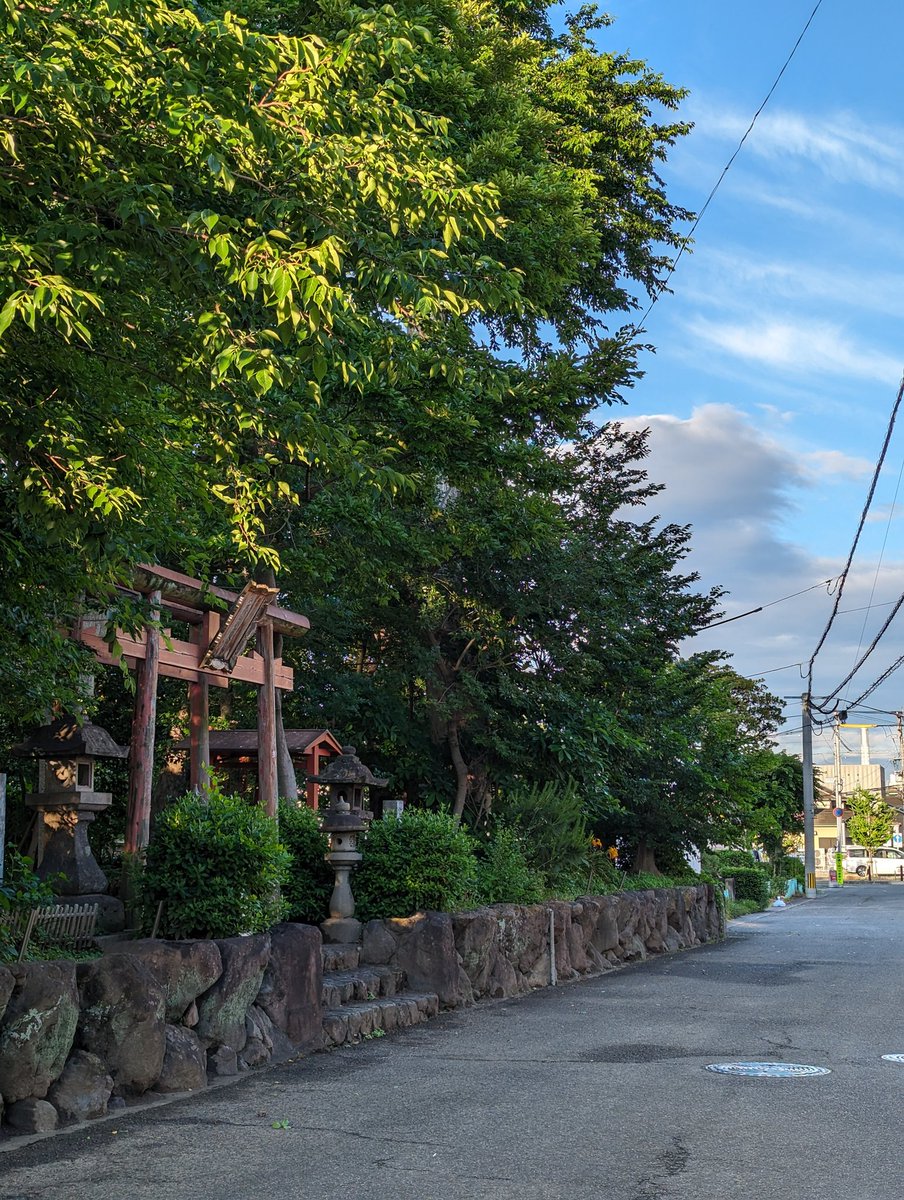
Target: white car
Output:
[(885, 861)]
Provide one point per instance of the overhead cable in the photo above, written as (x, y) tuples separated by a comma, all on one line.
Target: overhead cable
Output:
[(685, 242), (891, 513), (750, 612), (844, 574)]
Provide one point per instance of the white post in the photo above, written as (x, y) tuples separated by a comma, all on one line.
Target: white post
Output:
[(2, 821), (553, 975)]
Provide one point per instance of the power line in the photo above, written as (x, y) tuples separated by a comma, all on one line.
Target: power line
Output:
[(690, 233), (750, 612), (870, 648), (772, 670), (891, 513), (844, 574)]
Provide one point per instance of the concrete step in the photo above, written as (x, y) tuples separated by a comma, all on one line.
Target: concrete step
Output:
[(362, 983), (351, 1023), (339, 957)]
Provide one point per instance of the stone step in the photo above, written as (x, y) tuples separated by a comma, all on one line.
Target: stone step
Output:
[(340, 957), (363, 983), (351, 1022)]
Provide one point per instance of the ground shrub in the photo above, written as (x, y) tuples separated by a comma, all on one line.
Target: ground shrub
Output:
[(422, 861), (742, 908), (21, 888), (503, 872), (729, 861), (552, 825), (750, 883), (310, 879), (217, 864), (790, 868)]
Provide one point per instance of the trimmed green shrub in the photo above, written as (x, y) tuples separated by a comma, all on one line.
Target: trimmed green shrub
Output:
[(730, 861), (217, 864), (750, 883), (422, 861), (503, 873), (790, 868), (310, 880)]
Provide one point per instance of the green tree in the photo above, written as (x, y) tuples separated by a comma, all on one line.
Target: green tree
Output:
[(200, 235), (871, 822), (691, 777)]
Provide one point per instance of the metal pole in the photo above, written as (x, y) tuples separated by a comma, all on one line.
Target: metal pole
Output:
[(809, 833), (839, 818)]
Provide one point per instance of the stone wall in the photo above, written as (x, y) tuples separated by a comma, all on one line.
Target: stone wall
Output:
[(152, 1017), (503, 950)]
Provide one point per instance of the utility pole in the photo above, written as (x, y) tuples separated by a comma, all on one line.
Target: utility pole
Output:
[(809, 832), (839, 807)]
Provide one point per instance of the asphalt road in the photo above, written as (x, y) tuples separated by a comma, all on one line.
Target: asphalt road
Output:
[(595, 1089)]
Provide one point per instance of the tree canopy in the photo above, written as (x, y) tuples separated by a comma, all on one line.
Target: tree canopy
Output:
[(343, 293)]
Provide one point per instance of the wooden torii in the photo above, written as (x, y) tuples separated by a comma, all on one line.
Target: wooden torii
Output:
[(221, 622)]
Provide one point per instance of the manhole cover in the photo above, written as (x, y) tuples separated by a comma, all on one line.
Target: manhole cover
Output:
[(898, 1058), (768, 1070)]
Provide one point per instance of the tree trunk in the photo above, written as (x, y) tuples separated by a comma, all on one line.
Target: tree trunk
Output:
[(287, 782), (461, 769), (645, 859)]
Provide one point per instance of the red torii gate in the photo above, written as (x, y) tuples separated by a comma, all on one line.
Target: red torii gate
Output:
[(215, 654)]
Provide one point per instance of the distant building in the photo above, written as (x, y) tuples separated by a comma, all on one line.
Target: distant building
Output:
[(868, 776)]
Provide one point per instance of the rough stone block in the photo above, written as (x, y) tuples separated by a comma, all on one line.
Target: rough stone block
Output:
[(37, 1028), (184, 1063), (222, 1061), (83, 1089), (122, 1019), (223, 1008), (7, 983), (184, 970), (31, 1116), (290, 993)]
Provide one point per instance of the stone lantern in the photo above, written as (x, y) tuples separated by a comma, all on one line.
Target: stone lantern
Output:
[(344, 819), (67, 802)]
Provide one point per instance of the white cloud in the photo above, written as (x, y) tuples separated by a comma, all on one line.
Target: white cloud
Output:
[(728, 278), (799, 346), (836, 462), (841, 146), (737, 485)]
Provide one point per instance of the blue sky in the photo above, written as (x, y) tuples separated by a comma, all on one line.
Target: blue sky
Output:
[(779, 353)]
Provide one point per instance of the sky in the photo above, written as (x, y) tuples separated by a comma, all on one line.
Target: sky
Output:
[(779, 352)]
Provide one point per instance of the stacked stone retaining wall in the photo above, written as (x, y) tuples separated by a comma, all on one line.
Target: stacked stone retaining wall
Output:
[(504, 950), (150, 1018), (156, 1017)]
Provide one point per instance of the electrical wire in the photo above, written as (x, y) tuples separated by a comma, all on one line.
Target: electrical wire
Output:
[(772, 670), (750, 612), (891, 513), (844, 574), (686, 240), (867, 652)]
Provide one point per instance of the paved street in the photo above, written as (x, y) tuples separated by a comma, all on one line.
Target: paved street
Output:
[(590, 1090)]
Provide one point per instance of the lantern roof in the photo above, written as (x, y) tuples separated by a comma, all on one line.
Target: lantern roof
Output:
[(349, 769), (66, 738)]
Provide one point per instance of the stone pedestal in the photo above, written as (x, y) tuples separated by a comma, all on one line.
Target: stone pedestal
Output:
[(344, 930), (67, 851)]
